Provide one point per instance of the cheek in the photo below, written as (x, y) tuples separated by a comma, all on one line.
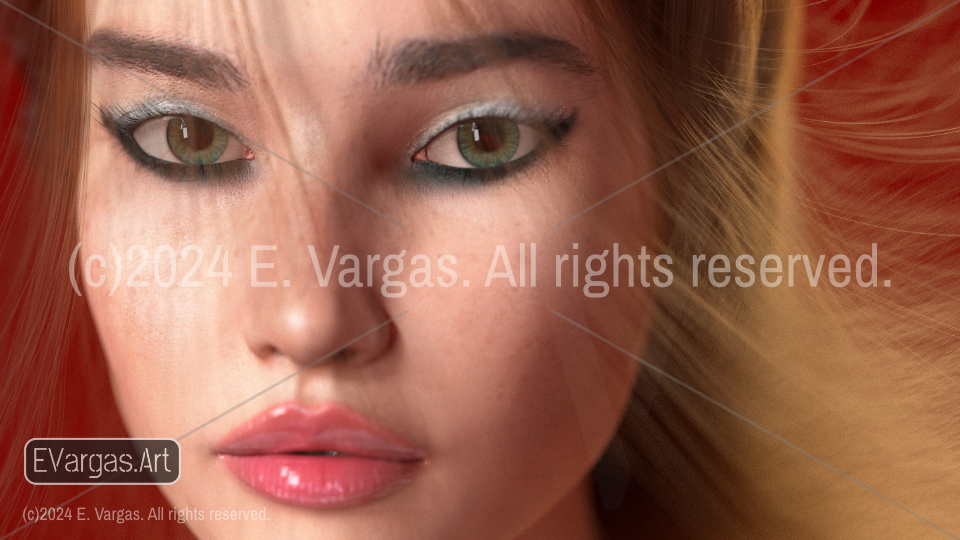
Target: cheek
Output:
[(527, 378), (513, 393), (158, 335), (154, 342), (514, 398)]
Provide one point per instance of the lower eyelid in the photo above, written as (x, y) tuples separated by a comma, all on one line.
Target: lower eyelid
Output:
[(430, 175)]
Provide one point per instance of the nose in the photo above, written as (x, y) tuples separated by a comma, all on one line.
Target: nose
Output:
[(312, 323), (303, 304)]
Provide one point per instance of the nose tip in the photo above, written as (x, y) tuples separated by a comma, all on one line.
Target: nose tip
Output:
[(324, 324)]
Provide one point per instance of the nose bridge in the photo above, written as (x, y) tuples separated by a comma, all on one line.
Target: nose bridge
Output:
[(298, 214), (315, 194)]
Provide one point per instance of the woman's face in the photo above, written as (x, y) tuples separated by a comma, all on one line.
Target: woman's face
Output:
[(271, 141)]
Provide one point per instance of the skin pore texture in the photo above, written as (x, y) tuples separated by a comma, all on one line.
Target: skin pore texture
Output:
[(510, 405)]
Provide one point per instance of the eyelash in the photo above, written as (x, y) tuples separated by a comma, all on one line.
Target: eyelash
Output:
[(555, 127), (123, 122)]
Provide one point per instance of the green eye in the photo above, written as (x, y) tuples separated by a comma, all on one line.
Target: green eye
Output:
[(488, 142), (188, 140), (196, 141)]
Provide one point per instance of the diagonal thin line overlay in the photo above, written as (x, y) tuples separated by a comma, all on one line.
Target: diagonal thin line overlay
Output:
[(175, 98), (764, 110), (756, 425), (224, 413), (292, 375)]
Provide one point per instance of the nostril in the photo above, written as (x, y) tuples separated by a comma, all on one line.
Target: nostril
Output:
[(265, 350)]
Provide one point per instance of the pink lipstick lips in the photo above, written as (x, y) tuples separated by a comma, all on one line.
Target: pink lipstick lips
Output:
[(324, 457)]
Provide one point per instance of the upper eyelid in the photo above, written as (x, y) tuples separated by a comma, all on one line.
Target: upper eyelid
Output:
[(131, 117), (501, 110)]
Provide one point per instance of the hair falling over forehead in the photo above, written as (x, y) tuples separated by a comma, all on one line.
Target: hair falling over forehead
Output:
[(852, 390)]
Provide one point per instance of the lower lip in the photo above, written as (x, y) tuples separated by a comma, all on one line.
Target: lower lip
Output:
[(320, 481)]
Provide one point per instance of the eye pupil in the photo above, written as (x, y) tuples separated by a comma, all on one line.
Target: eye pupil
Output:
[(488, 134), (202, 134), (196, 141), (488, 142)]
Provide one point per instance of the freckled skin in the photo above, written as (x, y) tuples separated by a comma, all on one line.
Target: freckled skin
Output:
[(512, 405)]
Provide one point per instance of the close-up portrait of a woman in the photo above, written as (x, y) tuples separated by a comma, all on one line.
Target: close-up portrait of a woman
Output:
[(459, 269)]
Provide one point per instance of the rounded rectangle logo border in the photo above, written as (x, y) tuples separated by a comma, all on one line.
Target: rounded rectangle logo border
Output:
[(104, 482)]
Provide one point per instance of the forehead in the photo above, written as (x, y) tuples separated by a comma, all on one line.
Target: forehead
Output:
[(337, 33)]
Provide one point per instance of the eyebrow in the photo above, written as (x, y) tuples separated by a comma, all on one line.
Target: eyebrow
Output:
[(419, 61), (190, 64)]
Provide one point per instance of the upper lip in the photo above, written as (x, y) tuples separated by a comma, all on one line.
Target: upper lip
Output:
[(331, 427)]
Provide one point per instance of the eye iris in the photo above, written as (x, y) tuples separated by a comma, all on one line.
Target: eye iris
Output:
[(488, 142), (204, 143)]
